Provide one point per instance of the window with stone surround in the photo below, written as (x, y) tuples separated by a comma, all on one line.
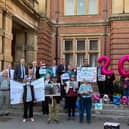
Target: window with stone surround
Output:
[(80, 7), (120, 7), (76, 49)]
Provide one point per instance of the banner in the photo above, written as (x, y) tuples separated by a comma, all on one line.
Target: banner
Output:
[(39, 89), (16, 91), (86, 72)]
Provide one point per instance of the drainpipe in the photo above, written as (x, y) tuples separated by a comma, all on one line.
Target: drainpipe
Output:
[(57, 33), (25, 46), (123, 6), (105, 26)]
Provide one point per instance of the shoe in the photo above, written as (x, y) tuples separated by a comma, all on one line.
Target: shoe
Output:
[(57, 121), (32, 119), (1, 114), (49, 121), (24, 120), (6, 114)]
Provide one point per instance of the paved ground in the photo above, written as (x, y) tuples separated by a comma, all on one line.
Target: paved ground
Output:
[(14, 121)]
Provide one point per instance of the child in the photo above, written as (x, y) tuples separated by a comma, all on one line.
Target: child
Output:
[(28, 97), (4, 93), (71, 96), (85, 92)]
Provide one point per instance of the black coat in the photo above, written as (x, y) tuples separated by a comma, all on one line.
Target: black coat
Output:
[(25, 93), (37, 73), (60, 69), (17, 74)]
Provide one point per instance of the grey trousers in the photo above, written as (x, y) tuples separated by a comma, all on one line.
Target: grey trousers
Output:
[(4, 101)]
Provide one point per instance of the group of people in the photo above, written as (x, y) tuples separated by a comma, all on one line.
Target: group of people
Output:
[(70, 89), (106, 84)]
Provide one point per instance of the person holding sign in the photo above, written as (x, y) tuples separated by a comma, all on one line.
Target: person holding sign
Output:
[(71, 96), (43, 70), (100, 80), (85, 92), (55, 100), (47, 85), (28, 97), (4, 93)]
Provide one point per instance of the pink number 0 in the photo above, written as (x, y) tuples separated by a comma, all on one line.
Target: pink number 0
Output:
[(122, 72)]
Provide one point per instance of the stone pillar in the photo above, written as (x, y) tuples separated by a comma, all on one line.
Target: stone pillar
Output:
[(7, 41), (1, 35), (31, 46), (19, 45)]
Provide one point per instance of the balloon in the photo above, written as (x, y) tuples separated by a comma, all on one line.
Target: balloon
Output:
[(96, 98), (116, 100), (124, 100), (105, 98), (121, 70), (106, 59)]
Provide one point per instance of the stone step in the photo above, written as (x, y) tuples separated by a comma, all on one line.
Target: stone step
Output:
[(112, 106), (112, 112), (114, 118)]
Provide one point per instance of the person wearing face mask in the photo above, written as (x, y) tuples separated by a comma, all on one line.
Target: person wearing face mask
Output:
[(4, 93)]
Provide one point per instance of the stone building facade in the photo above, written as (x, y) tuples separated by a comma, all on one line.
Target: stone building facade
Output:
[(18, 31), (73, 29)]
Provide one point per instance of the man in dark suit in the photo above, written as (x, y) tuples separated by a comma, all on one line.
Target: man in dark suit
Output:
[(35, 70), (53, 68), (85, 63), (21, 71), (62, 67)]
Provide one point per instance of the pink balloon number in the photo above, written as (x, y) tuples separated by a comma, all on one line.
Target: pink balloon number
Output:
[(121, 66), (106, 59)]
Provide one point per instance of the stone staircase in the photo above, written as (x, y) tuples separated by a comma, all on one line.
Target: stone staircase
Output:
[(112, 112)]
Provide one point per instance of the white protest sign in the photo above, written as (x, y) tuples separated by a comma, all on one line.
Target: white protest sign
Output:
[(86, 72), (65, 76)]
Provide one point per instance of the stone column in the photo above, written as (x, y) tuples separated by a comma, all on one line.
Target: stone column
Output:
[(19, 45), (7, 41), (1, 35), (31, 48)]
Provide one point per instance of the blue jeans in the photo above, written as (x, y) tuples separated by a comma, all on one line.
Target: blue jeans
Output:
[(85, 104), (126, 91)]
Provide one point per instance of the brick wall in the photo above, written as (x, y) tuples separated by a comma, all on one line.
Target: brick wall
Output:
[(45, 42), (119, 41)]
